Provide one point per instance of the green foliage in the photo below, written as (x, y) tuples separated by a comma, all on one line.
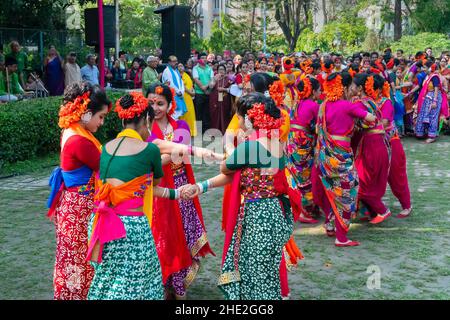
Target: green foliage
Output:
[(343, 36), (411, 44), (140, 28), (431, 16), (30, 128)]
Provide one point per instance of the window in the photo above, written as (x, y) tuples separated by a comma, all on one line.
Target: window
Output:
[(216, 4)]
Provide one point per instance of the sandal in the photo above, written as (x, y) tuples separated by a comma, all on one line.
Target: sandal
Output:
[(380, 218), (430, 140), (404, 213), (349, 243), (307, 219)]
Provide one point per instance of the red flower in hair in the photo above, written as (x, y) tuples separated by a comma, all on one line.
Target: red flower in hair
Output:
[(369, 88), (307, 89), (328, 70), (276, 91), (386, 89), (72, 111), (139, 106), (263, 121), (334, 90)]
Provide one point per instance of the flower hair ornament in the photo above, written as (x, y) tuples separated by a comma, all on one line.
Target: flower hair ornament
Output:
[(288, 64), (276, 91), (329, 69), (140, 104), (73, 111), (386, 90), (159, 90), (261, 120), (306, 66), (307, 89), (334, 90), (368, 88)]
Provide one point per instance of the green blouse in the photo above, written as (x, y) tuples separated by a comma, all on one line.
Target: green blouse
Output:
[(254, 155), (126, 168)]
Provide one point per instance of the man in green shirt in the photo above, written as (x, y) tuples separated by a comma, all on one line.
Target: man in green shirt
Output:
[(9, 72), (203, 76), (21, 58), (150, 75)]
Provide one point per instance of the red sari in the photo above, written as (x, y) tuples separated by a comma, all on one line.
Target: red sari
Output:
[(167, 226)]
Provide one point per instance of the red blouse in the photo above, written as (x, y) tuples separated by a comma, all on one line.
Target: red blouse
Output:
[(79, 151)]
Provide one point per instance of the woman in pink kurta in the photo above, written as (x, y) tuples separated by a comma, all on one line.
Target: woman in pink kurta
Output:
[(334, 176), (398, 178), (372, 155), (300, 146)]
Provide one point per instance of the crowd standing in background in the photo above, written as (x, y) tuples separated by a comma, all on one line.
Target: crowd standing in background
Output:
[(305, 135)]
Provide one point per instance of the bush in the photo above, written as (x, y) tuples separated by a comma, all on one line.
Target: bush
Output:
[(412, 44), (30, 128)]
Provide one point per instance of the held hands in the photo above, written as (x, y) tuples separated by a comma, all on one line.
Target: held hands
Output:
[(189, 191)]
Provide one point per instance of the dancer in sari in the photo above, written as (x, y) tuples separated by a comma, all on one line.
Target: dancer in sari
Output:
[(398, 177), (71, 200), (432, 106), (178, 227), (189, 93), (337, 181), (121, 244), (289, 78), (270, 86), (260, 219), (300, 147), (372, 170)]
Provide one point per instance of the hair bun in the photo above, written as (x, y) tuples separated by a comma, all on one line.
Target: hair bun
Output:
[(126, 101), (75, 90)]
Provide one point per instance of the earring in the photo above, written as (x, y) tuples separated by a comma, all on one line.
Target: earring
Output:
[(86, 117), (248, 123)]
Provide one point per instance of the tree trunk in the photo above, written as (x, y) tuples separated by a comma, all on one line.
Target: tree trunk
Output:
[(250, 40), (398, 20), (324, 8)]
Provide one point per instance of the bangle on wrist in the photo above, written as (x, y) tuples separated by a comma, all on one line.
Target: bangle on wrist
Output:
[(172, 193), (200, 186)]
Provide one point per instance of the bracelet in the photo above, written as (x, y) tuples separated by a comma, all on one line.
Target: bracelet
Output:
[(204, 186), (172, 193)]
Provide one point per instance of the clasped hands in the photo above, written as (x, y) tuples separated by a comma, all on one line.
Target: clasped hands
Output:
[(189, 191)]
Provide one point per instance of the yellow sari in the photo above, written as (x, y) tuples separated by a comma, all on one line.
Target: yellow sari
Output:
[(189, 116)]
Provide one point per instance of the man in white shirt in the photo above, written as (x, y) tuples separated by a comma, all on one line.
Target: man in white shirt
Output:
[(72, 73), (171, 77)]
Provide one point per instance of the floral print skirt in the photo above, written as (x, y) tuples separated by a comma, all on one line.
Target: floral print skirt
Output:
[(130, 269), (72, 275), (265, 230)]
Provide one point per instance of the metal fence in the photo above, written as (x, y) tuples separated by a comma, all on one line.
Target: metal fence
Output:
[(36, 42)]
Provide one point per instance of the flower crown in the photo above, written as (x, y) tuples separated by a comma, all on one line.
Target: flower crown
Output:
[(72, 111), (307, 89), (262, 120), (368, 88), (334, 90), (276, 91), (140, 104)]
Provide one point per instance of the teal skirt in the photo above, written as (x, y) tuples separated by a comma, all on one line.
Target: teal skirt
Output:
[(130, 269), (265, 230)]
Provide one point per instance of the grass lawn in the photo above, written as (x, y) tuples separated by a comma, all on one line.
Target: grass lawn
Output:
[(411, 254)]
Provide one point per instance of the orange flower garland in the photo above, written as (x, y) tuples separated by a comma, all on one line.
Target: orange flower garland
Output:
[(386, 90), (307, 89), (139, 106), (327, 70), (72, 111), (334, 90), (368, 88), (263, 121), (276, 91), (306, 66)]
